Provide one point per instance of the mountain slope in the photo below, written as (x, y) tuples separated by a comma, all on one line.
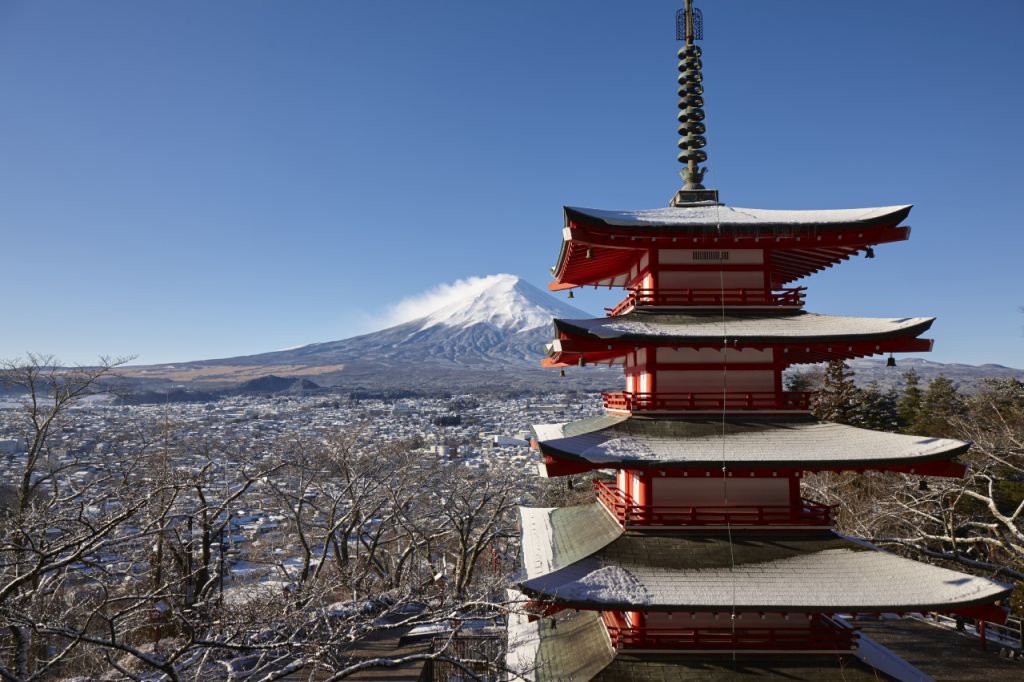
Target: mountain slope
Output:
[(498, 324), (506, 322)]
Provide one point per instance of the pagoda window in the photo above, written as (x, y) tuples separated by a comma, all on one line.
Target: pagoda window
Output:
[(710, 280), (703, 381), (711, 492), (705, 256), (713, 356)]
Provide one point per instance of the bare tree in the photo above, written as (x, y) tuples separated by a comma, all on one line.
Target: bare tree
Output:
[(144, 561), (976, 522)]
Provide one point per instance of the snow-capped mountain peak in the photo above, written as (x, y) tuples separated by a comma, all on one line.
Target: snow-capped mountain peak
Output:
[(481, 322), (502, 301)]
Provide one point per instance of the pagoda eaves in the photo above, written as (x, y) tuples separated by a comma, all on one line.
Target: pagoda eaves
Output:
[(765, 443), (751, 572), (615, 248)]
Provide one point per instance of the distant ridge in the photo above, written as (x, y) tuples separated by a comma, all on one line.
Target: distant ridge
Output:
[(968, 378), (272, 383)]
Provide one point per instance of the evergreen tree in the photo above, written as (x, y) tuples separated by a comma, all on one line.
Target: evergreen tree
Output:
[(909, 403), (940, 404), (877, 409), (799, 382), (839, 398)]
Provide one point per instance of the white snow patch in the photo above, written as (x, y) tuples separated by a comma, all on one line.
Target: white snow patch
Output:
[(612, 584), (537, 541)]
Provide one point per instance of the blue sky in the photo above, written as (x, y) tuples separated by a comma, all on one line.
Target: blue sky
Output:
[(193, 179)]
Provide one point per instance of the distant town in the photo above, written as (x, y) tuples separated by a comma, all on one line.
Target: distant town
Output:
[(471, 431)]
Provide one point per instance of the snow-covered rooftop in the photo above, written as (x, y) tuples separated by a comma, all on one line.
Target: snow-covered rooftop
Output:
[(730, 216), (750, 572), (577, 649), (782, 326), (795, 442)]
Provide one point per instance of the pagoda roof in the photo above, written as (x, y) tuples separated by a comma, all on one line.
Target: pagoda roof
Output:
[(800, 442), (690, 668), (720, 215), (577, 649), (781, 326), (601, 247), (807, 572)]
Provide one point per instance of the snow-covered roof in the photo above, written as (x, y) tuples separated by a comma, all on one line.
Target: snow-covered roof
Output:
[(577, 649), (579, 532), (802, 442), (742, 667), (804, 572), (775, 326), (734, 216)]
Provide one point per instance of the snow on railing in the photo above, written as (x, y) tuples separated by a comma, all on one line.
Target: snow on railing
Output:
[(1010, 634), (623, 508), (822, 634), (685, 298), (631, 401)]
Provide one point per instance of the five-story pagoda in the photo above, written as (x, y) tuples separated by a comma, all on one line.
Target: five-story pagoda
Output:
[(702, 551)]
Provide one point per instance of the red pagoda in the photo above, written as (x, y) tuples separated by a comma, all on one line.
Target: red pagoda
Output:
[(702, 559)]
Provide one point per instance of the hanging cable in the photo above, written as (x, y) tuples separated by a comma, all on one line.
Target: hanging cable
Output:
[(725, 468)]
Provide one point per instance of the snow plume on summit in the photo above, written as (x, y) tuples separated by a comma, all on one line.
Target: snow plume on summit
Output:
[(437, 298), (501, 301)]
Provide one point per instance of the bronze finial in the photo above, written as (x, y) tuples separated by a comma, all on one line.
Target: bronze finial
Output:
[(690, 27), (691, 100)]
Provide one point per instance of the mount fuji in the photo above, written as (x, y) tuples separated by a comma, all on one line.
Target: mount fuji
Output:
[(496, 320), (483, 331)]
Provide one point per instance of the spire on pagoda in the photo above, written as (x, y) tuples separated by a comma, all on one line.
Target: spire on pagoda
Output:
[(690, 27)]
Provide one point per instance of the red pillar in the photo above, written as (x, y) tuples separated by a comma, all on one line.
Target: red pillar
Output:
[(642, 492), (778, 367), (638, 623)]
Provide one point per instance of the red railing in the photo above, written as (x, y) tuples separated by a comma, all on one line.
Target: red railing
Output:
[(682, 298), (629, 401), (622, 507), (822, 634)]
